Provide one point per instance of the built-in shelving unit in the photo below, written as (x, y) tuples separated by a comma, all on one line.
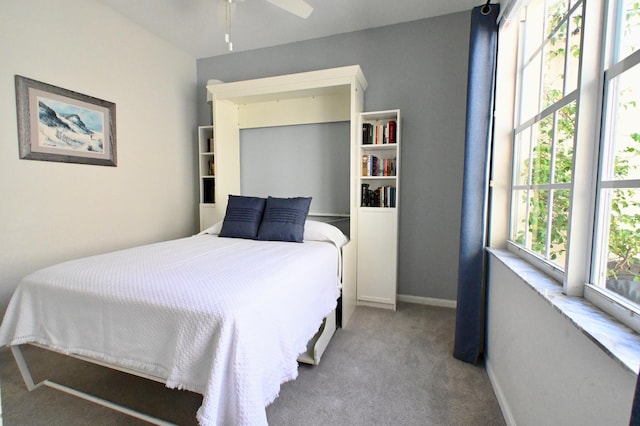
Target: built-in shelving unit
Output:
[(378, 170), (324, 96), (207, 173)]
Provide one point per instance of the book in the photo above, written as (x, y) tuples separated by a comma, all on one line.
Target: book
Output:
[(374, 166), (383, 196), (392, 130), (364, 195), (366, 168), (366, 133), (208, 191)]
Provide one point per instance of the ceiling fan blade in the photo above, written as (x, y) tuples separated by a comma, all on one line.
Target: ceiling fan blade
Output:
[(297, 7)]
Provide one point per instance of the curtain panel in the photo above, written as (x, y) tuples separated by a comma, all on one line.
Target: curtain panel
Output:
[(470, 313)]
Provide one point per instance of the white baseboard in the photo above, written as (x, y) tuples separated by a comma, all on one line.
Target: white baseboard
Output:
[(444, 303), (500, 396)]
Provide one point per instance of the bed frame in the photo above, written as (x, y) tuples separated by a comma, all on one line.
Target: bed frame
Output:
[(312, 355), (315, 349), (31, 385)]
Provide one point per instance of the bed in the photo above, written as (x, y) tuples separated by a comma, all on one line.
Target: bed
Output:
[(223, 317)]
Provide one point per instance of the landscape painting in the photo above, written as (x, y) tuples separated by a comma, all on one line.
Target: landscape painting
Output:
[(56, 124)]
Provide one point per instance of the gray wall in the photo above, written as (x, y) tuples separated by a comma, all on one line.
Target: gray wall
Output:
[(421, 68), (310, 160)]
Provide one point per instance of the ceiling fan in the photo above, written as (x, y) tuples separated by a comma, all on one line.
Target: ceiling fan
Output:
[(297, 7)]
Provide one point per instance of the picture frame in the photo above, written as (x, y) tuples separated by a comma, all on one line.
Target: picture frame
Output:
[(56, 124)]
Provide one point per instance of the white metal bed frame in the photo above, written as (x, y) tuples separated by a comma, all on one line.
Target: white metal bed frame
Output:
[(315, 349), (31, 385)]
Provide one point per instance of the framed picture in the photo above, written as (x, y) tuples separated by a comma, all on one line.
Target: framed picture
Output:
[(56, 124)]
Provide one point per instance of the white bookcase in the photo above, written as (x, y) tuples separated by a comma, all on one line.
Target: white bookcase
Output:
[(377, 184), (207, 176)]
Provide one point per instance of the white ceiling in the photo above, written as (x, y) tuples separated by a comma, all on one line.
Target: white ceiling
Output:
[(195, 27)]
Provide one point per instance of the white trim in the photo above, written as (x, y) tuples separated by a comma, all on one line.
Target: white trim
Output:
[(616, 306), (430, 301), (503, 402), (626, 183), (545, 265)]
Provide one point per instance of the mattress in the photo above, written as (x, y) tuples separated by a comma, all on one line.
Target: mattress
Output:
[(223, 317)]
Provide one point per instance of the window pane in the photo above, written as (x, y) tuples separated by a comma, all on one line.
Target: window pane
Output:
[(519, 217), (623, 247), (533, 29), (541, 173), (573, 57), (559, 225), (556, 11), (629, 29), (538, 221), (565, 134), (522, 157), (530, 89), (622, 129), (553, 79)]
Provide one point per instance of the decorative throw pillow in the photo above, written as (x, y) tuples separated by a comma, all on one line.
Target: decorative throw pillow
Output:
[(243, 217), (284, 218)]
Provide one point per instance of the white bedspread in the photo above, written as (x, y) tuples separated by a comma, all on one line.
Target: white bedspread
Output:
[(223, 317)]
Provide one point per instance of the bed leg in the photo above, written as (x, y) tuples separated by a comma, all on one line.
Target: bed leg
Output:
[(24, 369), (28, 381)]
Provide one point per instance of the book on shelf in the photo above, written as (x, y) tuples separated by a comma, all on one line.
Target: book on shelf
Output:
[(364, 195), (392, 132), (375, 166), (366, 133), (383, 196), (376, 134), (208, 191)]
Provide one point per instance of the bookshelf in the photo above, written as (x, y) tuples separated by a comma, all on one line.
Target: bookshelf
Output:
[(207, 176), (378, 171)]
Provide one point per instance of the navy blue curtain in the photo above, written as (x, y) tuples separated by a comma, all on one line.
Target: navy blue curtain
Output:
[(635, 408), (470, 313)]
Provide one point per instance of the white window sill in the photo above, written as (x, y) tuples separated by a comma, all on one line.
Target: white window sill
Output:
[(615, 339)]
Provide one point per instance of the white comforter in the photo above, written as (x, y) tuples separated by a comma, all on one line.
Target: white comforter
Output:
[(223, 317)]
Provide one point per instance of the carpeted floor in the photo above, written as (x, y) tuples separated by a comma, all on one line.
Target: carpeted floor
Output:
[(385, 368)]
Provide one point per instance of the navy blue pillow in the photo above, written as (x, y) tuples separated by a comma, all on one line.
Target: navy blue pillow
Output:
[(284, 218), (243, 217)]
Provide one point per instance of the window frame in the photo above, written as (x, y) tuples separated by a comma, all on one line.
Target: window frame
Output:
[(572, 275), (608, 301), (599, 20)]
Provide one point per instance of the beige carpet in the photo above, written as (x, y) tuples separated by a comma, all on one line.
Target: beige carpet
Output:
[(385, 368)]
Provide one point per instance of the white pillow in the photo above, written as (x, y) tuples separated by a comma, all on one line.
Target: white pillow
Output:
[(313, 231), (322, 231), (213, 229)]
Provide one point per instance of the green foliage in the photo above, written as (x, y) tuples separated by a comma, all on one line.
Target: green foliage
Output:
[(624, 234)]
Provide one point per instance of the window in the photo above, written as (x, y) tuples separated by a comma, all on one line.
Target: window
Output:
[(576, 148), (545, 129), (616, 263)]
